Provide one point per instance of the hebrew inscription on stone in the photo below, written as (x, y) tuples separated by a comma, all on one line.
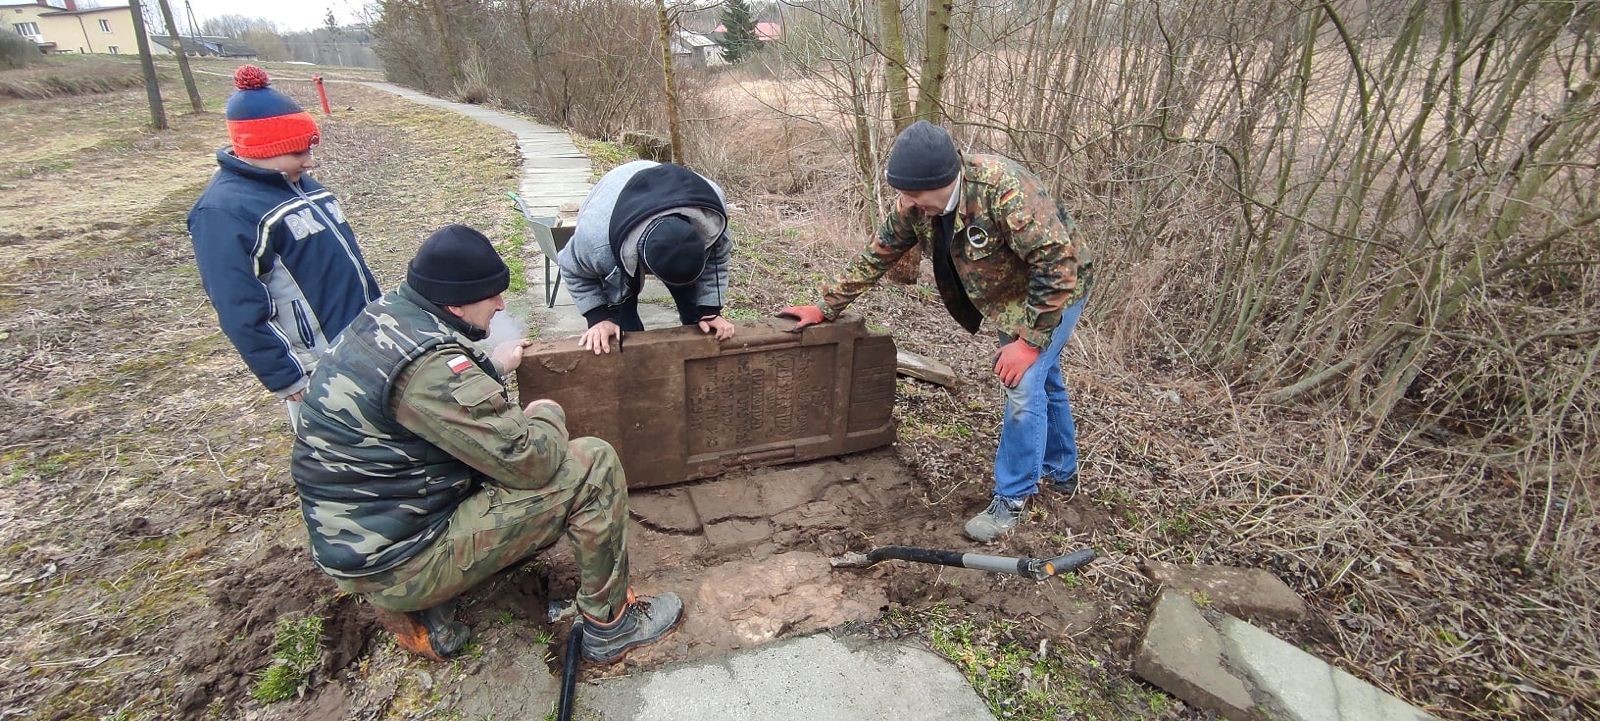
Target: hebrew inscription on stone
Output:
[(754, 399)]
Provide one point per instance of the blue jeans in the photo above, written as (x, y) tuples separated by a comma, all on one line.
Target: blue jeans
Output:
[(1038, 435)]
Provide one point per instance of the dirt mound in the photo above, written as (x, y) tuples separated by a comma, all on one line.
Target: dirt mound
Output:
[(245, 605)]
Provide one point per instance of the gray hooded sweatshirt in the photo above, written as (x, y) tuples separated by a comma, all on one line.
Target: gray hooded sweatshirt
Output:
[(600, 264)]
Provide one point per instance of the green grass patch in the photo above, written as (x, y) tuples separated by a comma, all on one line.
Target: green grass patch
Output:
[(296, 649), (511, 250), (1017, 681), (603, 155)]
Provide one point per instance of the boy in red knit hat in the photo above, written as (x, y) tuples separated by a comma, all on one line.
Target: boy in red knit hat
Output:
[(275, 254)]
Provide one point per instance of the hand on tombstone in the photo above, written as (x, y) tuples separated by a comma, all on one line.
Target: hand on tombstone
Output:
[(717, 324), (599, 336), (508, 355), (804, 314)]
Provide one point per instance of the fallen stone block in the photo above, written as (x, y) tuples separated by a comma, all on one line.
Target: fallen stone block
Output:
[(1182, 653), (678, 405), (924, 368), (1245, 592), (1222, 664)]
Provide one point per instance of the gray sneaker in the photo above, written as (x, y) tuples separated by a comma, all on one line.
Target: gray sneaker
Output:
[(997, 520), (644, 620)]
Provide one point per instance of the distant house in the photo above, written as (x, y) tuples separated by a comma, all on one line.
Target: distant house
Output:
[(765, 32), (696, 50), (22, 16), (58, 26), (206, 46)]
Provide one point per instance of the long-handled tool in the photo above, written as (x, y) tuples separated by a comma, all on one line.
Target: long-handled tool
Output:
[(1037, 569), (569, 672)]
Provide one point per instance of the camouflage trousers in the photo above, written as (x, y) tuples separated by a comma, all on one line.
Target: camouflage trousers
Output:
[(587, 501)]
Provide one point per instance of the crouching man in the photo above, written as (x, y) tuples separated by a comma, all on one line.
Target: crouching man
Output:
[(419, 477)]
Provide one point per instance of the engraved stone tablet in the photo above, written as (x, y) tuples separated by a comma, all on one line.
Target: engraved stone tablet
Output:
[(678, 405)]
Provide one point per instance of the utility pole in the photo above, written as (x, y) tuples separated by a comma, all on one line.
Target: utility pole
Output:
[(194, 30), (158, 114), (183, 57)]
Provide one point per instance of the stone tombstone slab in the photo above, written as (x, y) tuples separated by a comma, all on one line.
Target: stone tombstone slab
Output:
[(679, 406)]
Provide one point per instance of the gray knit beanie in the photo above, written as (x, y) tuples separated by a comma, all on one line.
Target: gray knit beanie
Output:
[(923, 158)]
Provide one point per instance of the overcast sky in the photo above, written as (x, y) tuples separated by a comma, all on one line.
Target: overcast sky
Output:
[(288, 14)]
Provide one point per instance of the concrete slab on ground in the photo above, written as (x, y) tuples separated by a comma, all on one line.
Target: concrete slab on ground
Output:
[(807, 679), (1219, 663)]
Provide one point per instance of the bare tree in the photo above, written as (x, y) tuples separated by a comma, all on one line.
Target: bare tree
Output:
[(935, 59), (894, 53), (664, 24)]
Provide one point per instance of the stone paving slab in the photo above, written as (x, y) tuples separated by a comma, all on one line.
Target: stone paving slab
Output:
[(807, 679), (1221, 664)]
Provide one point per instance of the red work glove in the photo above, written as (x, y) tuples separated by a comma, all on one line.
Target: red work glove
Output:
[(805, 314), (1013, 360)]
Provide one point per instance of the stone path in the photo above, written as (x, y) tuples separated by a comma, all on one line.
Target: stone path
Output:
[(807, 679), (555, 179)]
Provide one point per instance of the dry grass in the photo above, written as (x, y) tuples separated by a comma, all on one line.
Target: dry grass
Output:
[(143, 468), (1411, 548), (55, 77)]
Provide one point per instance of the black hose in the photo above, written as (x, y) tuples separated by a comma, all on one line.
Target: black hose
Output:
[(569, 673)]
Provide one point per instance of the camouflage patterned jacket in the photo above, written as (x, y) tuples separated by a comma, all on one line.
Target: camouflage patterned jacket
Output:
[(403, 420), (1012, 248)]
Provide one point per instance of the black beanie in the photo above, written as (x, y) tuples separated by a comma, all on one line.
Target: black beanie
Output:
[(457, 266), (923, 158), (672, 250)]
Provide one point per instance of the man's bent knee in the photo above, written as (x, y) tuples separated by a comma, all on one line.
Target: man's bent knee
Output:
[(598, 459)]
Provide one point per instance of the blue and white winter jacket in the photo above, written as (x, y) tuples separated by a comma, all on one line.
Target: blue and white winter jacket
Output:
[(281, 266)]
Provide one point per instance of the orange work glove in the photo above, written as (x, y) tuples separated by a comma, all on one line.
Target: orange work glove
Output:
[(805, 314), (1013, 360)]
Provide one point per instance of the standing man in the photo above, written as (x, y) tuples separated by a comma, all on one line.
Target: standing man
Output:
[(420, 478), (1002, 250), (647, 218), (276, 256)]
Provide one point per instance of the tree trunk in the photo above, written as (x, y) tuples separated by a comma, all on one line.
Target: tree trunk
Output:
[(451, 62), (894, 52), (666, 75), (183, 59), (934, 60), (158, 114)]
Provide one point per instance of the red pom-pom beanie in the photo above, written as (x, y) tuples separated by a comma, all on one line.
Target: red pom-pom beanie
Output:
[(263, 122)]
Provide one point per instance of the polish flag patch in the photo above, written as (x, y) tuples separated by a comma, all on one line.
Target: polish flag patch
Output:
[(459, 364)]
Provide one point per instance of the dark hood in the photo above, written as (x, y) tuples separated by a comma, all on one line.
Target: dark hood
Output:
[(653, 190)]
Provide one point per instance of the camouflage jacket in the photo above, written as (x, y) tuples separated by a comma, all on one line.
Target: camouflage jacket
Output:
[(403, 420), (1012, 248)]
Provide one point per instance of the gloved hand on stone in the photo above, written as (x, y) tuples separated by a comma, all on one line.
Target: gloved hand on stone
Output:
[(805, 314)]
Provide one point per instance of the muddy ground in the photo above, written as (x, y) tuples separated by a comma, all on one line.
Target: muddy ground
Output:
[(149, 537)]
